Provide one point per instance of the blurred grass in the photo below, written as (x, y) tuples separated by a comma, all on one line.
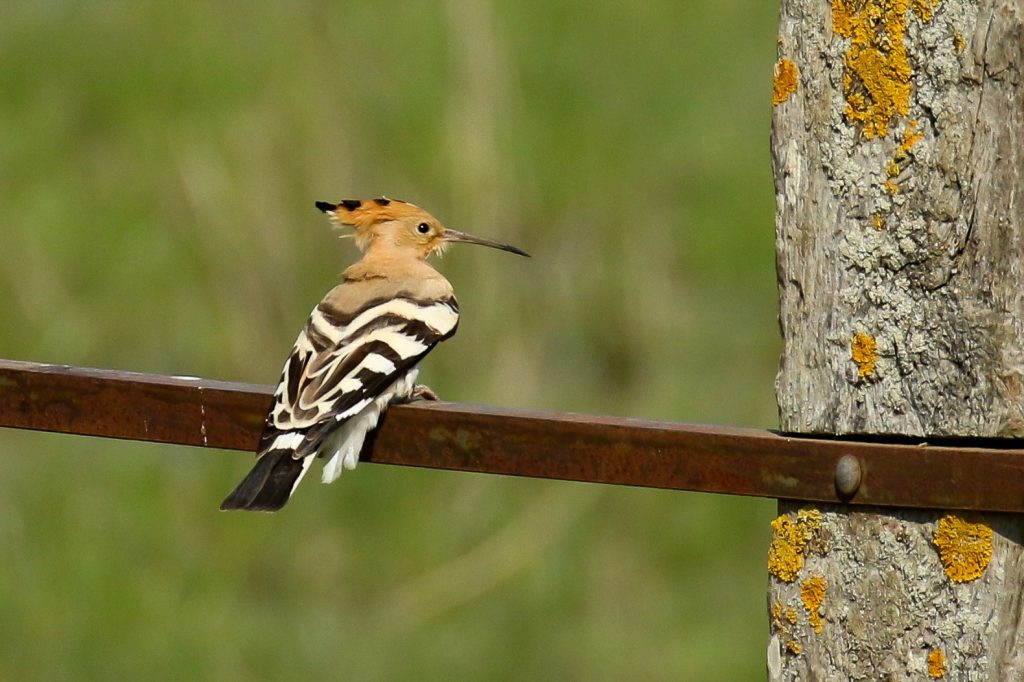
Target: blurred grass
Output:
[(158, 164)]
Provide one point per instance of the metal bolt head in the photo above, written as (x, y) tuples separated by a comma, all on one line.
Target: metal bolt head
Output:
[(849, 474)]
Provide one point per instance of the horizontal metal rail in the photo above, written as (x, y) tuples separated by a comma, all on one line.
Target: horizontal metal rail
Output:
[(575, 447)]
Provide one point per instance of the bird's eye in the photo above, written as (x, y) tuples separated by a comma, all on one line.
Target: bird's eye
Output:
[(423, 228)]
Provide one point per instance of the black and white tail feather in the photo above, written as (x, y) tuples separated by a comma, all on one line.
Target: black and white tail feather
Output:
[(342, 373)]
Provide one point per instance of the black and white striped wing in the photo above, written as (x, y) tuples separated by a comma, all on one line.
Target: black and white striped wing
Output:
[(342, 363), (339, 365)]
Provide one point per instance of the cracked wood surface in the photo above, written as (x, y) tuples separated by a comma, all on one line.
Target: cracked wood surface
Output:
[(912, 239), (899, 165)]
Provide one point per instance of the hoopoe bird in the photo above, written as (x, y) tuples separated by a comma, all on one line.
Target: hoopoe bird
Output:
[(359, 350)]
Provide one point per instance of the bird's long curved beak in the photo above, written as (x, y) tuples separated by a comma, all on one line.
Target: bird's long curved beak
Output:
[(456, 236)]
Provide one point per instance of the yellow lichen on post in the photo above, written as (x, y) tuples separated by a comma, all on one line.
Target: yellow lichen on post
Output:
[(936, 664), (864, 352), (789, 539), (876, 78), (964, 548), (784, 82), (812, 594), (924, 8), (911, 136), (958, 42), (782, 629)]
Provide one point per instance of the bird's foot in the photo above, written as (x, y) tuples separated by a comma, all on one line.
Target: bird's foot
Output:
[(423, 392)]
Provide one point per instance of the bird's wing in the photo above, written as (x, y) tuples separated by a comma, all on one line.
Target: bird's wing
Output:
[(340, 363)]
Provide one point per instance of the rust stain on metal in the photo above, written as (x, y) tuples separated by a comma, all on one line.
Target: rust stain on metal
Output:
[(464, 439), (131, 405), (564, 446)]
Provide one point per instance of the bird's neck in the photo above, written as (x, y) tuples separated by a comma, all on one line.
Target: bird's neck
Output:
[(391, 263)]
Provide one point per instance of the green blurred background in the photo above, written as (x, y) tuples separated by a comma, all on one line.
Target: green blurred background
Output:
[(158, 167)]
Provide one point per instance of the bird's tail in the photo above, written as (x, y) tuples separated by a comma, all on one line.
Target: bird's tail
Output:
[(270, 483)]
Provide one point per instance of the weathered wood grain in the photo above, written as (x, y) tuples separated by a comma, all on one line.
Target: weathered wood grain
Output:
[(907, 235), (898, 150)]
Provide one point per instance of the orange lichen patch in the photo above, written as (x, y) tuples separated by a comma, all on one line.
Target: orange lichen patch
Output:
[(789, 539), (877, 221), (812, 594), (936, 664), (964, 548), (924, 8), (776, 619), (876, 78), (911, 136), (864, 352), (783, 628), (785, 81)]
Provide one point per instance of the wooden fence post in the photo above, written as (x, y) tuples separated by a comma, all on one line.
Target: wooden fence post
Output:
[(898, 151)]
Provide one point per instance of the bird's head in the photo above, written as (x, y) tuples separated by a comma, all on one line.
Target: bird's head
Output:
[(401, 226)]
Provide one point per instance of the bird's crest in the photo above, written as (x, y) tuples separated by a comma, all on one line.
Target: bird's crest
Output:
[(426, 233), (363, 214)]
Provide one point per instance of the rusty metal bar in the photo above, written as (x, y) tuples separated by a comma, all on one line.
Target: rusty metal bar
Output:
[(574, 447)]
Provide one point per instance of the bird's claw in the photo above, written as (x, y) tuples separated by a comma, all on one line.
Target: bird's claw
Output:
[(423, 392)]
